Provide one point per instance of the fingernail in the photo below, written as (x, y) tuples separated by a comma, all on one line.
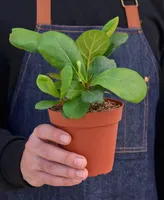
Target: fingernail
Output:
[(79, 162), (81, 174), (65, 139)]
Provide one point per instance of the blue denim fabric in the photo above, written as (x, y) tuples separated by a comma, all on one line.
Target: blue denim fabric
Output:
[(132, 177)]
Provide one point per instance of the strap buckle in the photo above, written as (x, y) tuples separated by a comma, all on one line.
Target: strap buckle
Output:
[(123, 4)]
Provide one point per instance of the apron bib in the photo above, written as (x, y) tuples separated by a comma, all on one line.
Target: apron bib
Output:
[(133, 176)]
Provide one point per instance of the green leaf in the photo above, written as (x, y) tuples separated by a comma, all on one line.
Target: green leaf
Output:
[(64, 115), (66, 78), (75, 90), (125, 83), (58, 84), (46, 85), (54, 76), (93, 95), (45, 104), (99, 65), (75, 108), (60, 51), (92, 43), (79, 71), (111, 26), (116, 41), (25, 39)]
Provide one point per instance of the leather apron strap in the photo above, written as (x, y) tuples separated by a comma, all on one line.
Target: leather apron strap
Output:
[(132, 15), (44, 13)]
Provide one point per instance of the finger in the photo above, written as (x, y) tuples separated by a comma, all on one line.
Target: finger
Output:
[(57, 169), (57, 181), (48, 132), (56, 154)]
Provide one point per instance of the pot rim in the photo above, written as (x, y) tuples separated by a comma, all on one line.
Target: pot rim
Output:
[(115, 100), (90, 120)]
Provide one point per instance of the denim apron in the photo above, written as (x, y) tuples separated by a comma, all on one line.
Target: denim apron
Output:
[(133, 176)]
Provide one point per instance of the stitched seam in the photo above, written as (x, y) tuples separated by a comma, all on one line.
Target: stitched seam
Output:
[(127, 30), (18, 89), (146, 119), (150, 54), (125, 128), (130, 148), (80, 31), (21, 80), (139, 151)]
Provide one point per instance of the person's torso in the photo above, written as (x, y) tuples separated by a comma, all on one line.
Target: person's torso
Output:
[(133, 173)]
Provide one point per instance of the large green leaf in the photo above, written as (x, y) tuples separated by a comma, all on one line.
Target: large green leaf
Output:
[(75, 90), (125, 83), (99, 65), (46, 85), (93, 95), (25, 39), (75, 108), (111, 26), (60, 50), (45, 104), (116, 41), (92, 43), (66, 78)]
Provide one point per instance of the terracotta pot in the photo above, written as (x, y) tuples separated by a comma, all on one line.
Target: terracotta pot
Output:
[(93, 136)]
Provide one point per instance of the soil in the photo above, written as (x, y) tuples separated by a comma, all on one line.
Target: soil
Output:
[(95, 107), (107, 105)]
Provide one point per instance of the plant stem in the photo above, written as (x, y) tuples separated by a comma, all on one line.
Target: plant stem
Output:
[(86, 86), (80, 77), (62, 102)]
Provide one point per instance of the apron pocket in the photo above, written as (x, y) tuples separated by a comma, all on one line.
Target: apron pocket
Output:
[(133, 128)]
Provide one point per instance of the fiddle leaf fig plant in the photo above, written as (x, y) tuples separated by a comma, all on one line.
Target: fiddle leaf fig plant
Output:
[(86, 72)]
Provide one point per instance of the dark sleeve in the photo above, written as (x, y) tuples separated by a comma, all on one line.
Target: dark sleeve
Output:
[(11, 147), (158, 15)]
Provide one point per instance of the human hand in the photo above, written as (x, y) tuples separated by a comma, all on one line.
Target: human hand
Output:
[(43, 162)]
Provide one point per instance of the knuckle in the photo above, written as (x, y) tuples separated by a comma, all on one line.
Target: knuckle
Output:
[(38, 129), (44, 151), (28, 145), (42, 165), (46, 166), (50, 167), (32, 144), (67, 158), (70, 173), (42, 128)]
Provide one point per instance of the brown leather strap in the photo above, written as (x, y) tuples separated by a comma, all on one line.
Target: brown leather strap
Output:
[(132, 15), (43, 11)]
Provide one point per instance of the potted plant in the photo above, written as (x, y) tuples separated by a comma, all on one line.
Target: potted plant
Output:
[(78, 103)]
